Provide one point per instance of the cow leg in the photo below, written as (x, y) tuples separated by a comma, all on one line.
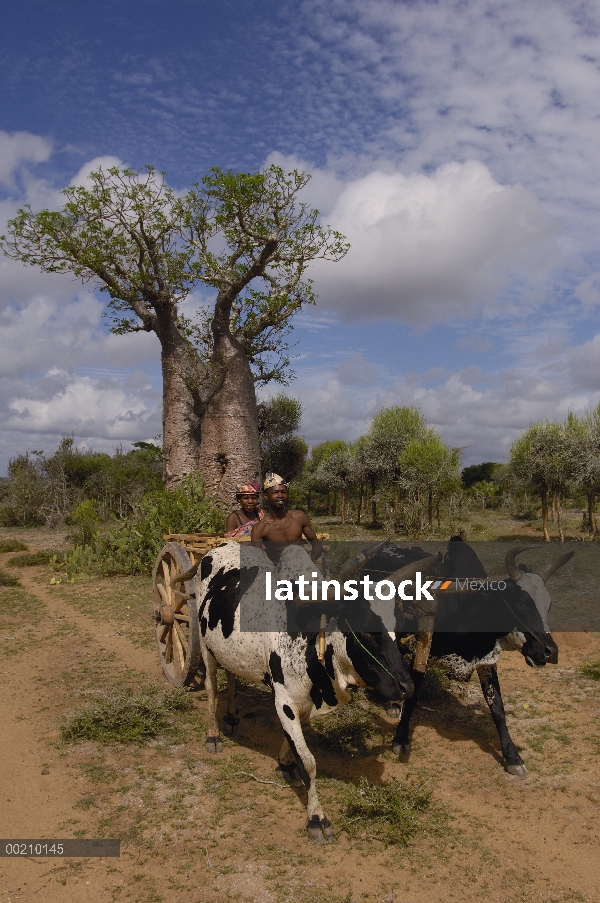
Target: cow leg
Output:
[(401, 741), (488, 677), (213, 740), (317, 825), (287, 768), (231, 719)]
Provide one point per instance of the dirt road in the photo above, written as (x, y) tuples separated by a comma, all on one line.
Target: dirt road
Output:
[(194, 829)]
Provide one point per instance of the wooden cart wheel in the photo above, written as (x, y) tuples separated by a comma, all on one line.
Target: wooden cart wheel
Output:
[(176, 616)]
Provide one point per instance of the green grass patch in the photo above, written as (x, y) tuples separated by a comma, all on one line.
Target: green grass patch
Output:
[(12, 545), (346, 730), (8, 579), (392, 812), (590, 670), (122, 716), (31, 559)]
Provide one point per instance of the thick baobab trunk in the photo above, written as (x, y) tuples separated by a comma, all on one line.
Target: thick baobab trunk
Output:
[(229, 443), (181, 414)]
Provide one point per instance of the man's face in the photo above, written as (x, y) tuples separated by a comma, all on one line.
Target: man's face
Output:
[(277, 496)]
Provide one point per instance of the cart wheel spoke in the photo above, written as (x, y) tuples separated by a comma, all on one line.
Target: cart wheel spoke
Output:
[(182, 639)]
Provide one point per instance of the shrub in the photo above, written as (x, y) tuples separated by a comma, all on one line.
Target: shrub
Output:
[(85, 518), (591, 670), (8, 579), (12, 545), (393, 811), (132, 547), (126, 717), (31, 559), (346, 730)]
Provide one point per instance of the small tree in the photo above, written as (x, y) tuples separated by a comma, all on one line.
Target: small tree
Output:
[(337, 471), (542, 456), (246, 236), (429, 470), (281, 451), (379, 451), (584, 434)]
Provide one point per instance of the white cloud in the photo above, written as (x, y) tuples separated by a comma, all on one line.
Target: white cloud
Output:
[(100, 408), (17, 148), (430, 248), (82, 179)]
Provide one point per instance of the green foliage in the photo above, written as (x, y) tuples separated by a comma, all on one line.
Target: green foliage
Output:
[(345, 731), (8, 579), (47, 489), (126, 717), (31, 559), (12, 545), (591, 670), (477, 473), (132, 547), (541, 456), (392, 812), (281, 451), (85, 518), (148, 247)]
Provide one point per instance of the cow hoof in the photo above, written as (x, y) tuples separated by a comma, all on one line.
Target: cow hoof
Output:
[(214, 744), (319, 830), (327, 831), (519, 771), (401, 749), (394, 711), (289, 773)]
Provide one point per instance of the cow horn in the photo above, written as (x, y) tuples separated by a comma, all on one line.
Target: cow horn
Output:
[(409, 571), (353, 565), (510, 561), (555, 565)]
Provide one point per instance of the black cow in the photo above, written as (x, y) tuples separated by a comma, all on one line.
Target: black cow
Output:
[(465, 640)]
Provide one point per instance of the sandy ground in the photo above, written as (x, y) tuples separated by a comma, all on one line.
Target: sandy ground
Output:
[(195, 832)]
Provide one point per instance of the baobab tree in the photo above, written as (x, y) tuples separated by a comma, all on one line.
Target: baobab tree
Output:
[(244, 235)]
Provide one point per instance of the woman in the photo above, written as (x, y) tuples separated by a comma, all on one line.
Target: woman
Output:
[(239, 523)]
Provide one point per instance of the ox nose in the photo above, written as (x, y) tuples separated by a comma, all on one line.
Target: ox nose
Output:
[(551, 654)]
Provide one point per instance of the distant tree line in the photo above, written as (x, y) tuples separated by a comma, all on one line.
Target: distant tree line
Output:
[(400, 475)]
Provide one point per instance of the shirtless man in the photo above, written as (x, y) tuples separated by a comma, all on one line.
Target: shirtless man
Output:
[(280, 526)]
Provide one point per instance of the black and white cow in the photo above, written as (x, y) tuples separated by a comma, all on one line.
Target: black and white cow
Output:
[(302, 685), (463, 641)]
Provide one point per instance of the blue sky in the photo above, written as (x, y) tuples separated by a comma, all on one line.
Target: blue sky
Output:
[(457, 144)]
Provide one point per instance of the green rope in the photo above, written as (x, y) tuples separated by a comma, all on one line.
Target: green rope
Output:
[(371, 654)]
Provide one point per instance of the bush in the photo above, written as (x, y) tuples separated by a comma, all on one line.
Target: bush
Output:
[(126, 717), (346, 730), (8, 579), (31, 559), (132, 548), (12, 545), (591, 670), (85, 518), (393, 811)]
